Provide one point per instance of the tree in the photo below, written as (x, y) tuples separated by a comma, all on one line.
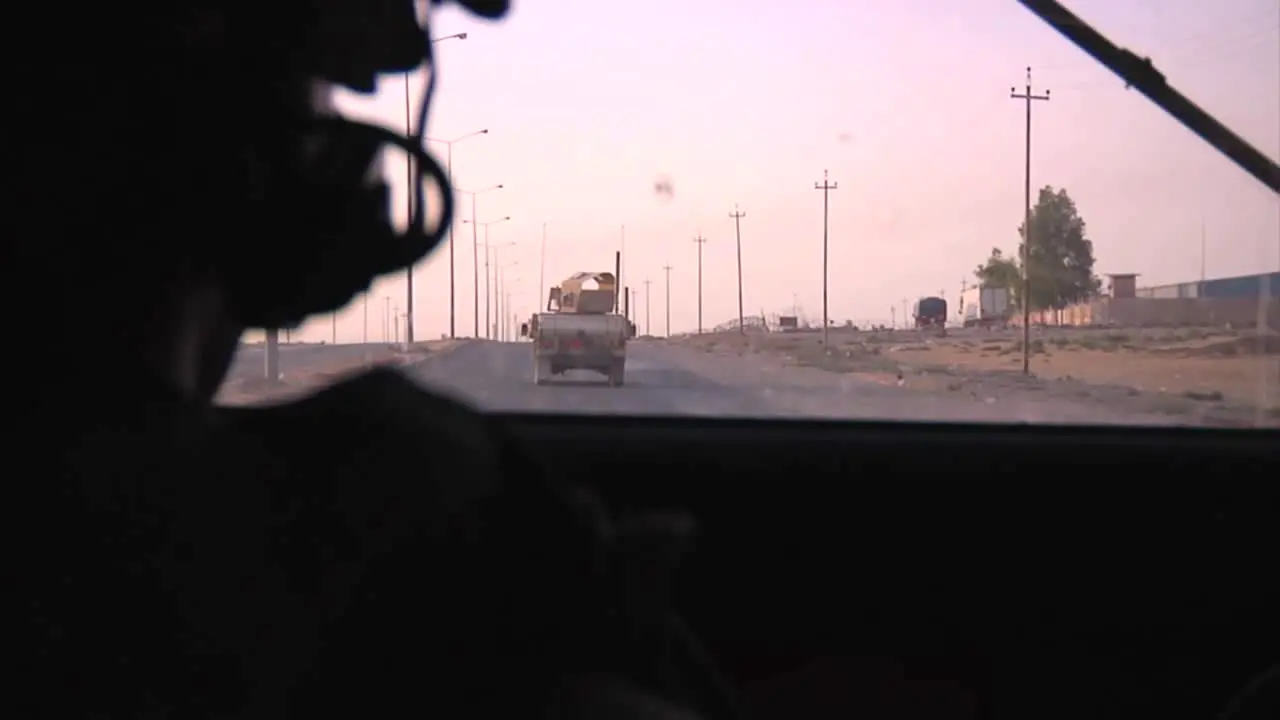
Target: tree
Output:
[(1001, 272), (1061, 258)]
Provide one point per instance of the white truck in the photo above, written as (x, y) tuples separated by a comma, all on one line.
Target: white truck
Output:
[(580, 330), (985, 306)]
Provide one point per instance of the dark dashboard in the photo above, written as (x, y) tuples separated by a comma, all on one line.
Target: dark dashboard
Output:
[(1052, 570)]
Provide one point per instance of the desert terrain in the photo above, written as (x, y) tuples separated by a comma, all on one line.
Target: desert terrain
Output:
[(1200, 376)]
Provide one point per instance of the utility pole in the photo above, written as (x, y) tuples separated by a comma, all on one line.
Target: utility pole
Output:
[(667, 269), (488, 328), (700, 241), (737, 228), (1202, 250), (333, 320), (453, 282), (475, 272), (647, 292), (1028, 96), (826, 188)]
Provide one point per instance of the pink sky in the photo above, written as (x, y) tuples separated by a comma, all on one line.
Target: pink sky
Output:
[(905, 102)]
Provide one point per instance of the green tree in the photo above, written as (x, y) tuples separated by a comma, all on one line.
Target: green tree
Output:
[(1061, 258), (1001, 272)]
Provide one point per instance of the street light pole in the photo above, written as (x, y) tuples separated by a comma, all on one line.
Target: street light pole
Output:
[(488, 309), (542, 261), (497, 282), (408, 218), (409, 171), (453, 293), (488, 327), (475, 256), (386, 319), (500, 294)]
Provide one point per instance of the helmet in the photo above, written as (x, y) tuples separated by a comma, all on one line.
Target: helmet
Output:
[(328, 207), (209, 145)]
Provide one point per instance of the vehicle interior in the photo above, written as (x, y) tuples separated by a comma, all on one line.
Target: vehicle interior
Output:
[(859, 570)]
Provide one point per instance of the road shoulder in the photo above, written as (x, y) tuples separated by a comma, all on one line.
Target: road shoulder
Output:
[(301, 381)]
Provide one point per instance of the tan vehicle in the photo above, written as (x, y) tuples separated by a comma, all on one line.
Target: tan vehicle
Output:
[(580, 330)]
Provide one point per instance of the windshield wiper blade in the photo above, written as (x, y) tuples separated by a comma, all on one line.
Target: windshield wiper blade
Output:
[(1141, 74)]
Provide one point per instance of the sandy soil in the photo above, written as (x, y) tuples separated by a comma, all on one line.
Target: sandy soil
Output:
[(1213, 377), (324, 372)]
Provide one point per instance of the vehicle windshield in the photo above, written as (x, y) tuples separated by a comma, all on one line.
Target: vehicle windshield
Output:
[(817, 210)]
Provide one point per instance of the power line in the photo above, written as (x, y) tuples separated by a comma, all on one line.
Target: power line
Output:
[(700, 241), (1028, 96), (826, 188), (667, 270), (737, 216)]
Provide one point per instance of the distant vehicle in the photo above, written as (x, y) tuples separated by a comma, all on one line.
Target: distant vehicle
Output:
[(985, 306), (930, 312), (580, 330)]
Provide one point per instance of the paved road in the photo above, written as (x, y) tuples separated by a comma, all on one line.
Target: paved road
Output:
[(670, 380), (250, 362)]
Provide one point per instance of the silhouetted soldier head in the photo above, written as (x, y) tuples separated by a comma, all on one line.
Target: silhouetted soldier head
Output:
[(179, 174)]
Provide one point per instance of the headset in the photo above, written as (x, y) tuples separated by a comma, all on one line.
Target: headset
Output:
[(328, 208)]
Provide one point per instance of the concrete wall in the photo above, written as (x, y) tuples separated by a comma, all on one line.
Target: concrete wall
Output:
[(1160, 312)]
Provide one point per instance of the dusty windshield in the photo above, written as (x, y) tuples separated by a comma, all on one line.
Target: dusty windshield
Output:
[(818, 210)]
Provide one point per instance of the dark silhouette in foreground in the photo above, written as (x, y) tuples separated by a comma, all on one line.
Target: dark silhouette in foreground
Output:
[(369, 551)]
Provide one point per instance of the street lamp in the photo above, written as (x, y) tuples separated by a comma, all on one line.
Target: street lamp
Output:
[(448, 164), (475, 256), (500, 290), (448, 169), (497, 286), (488, 330), (408, 131), (508, 318)]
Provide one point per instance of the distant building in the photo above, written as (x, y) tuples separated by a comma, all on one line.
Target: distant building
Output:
[(1243, 286), (1123, 285)]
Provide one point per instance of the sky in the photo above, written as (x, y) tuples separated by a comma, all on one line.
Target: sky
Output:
[(904, 103)]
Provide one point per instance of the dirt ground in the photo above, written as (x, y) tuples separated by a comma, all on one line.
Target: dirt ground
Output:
[(302, 380), (1227, 377)]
